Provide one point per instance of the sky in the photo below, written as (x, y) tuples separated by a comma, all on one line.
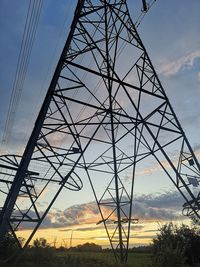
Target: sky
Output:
[(170, 34)]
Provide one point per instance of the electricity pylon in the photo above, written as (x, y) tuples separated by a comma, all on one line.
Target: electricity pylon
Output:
[(104, 114)]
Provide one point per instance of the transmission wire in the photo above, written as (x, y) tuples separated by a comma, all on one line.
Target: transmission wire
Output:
[(38, 104), (31, 24)]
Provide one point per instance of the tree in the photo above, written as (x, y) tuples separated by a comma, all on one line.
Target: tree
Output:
[(8, 246), (88, 247), (40, 243), (179, 245)]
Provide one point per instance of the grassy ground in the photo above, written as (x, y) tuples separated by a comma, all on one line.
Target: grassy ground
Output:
[(139, 259), (52, 258), (134, 260)]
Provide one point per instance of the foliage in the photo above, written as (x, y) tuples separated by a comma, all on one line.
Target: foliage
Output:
[(88, 247), (40, 243), (8, 246), (173, 247), (41, 253), (52, 257), (176, 246), (169, 256)]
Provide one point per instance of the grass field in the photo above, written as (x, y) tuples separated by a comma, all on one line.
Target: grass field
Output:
[(107, 259), (53, 258)]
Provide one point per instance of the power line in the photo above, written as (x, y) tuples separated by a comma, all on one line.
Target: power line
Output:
[(144, 12), (50, 65), (31, 25)]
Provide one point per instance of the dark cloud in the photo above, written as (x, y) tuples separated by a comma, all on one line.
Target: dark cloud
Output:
[(99, 227), (151, 231), (82, 238), (169, 200), (142, 236), (166, 206), (92, 228), (74, 215), (145, 212), (150, 207), (131, 237)]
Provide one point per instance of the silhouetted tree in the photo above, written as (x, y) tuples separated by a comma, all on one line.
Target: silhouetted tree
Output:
[(180, 245), (40, 243), (9, 246), (88, 247)]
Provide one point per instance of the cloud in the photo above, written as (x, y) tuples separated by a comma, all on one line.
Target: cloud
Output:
[(83, 229), (92, 227), (131, 237), (157, 167), (185, 62), (166, 200), (160, 207), (143, 237), (75, 215), (147, 208), (151, 231)]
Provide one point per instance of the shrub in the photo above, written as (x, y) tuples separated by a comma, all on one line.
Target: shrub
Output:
[(40, 243), (88, 247), (8, 246), (177, 245)]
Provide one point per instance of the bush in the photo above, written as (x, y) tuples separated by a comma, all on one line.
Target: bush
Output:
[(169, 257), (88, 247), (8, 246), (176, 246), (40, 243)]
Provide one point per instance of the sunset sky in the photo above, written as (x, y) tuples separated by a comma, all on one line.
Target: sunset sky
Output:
[(170, 33)]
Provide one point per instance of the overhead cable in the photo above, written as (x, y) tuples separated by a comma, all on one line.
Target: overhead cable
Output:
[(31, 25)]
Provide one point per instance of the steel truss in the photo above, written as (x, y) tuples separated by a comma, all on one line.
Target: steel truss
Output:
[(103, 115)]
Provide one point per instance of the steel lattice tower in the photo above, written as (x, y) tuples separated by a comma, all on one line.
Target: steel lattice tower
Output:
[(103, 115)]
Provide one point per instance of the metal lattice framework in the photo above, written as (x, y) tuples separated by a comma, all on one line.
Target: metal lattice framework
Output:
[(103, 115)]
